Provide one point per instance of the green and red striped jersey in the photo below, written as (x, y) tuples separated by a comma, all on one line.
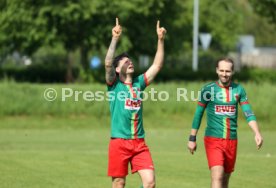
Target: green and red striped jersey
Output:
[(126, 108), (221, 104)]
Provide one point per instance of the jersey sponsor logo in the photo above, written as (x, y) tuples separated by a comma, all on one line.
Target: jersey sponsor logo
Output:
[(225, 110), (131, 104)]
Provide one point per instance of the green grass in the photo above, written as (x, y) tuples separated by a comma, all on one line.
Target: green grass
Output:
[(28, 100), (64, 144), (58, 152)]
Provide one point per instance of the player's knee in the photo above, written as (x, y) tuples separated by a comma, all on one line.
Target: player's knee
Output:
[(217, 177), (118, 183), (149, 184)]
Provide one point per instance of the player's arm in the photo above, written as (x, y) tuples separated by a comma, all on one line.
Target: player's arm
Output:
[(258, 137), (192, 141), (159, 56), (250, 118), (201, 105), (110, 73), (195, 126)]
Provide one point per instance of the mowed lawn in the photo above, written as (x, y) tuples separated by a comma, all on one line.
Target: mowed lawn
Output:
[(51, 152)]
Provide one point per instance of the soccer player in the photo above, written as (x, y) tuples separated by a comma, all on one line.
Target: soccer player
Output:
[(221, 100), (127, 144)]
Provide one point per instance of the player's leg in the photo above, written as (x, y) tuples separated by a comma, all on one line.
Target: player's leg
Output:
[(230, 160), (118, 159), (215, 156), (118, 182), (217, 175), (147, 177), (142, 163), (226, 178)]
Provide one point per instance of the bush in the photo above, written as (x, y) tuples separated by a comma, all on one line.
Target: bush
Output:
[(42, 73), (50, 73)]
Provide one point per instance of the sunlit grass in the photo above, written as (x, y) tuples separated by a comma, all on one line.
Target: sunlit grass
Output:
[(28, 100), (61, 154)]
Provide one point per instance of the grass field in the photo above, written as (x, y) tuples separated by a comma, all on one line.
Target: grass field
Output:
[(42, 152), (64, 144), (28, 100)]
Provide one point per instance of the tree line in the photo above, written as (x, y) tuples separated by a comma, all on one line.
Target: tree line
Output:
[(85, 26)]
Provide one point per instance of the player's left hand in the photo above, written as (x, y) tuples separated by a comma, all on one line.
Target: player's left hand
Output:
[(161, 31), (192, 147), (259, 141)]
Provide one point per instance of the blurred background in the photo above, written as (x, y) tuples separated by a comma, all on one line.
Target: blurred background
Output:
[(62, 44), (66, 41)]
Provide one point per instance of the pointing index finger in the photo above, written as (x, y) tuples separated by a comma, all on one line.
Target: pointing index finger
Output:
[(117, 21), (158, 24)]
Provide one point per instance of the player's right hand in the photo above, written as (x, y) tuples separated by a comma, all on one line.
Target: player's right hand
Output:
[(192, 147), (117, 30)]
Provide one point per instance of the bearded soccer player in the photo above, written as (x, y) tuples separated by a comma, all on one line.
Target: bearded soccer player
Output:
[(127, 144), (221, 99)]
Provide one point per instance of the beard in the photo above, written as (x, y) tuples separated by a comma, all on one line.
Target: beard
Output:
[(224, 80)]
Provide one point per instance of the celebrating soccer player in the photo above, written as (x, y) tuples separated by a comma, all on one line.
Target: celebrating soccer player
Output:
[(127, 144)]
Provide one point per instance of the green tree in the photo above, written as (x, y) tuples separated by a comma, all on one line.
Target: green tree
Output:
[(222, 19), (19, 30), (256, 25), (75, 24), (85, 26), (265, 8)]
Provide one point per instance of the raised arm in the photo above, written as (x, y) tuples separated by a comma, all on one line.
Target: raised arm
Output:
[(109, 69), (159, 56)]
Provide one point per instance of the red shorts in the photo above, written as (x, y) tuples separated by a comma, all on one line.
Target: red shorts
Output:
[(221, 152), (124, 151)]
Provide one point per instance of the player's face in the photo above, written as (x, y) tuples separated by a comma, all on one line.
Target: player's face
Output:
[(225, 72), (125, 66)]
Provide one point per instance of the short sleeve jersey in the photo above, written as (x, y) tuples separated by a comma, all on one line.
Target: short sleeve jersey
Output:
[(221, 104), (126, 108)]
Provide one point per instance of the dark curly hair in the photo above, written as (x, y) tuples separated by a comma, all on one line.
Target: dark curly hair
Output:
[(118, 58)]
